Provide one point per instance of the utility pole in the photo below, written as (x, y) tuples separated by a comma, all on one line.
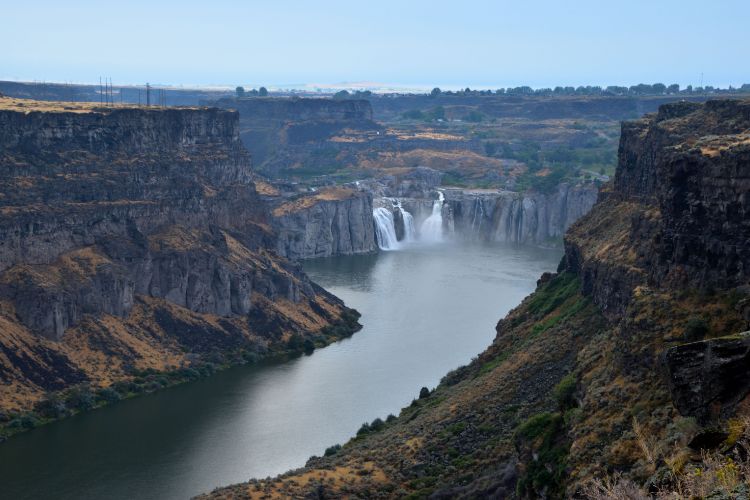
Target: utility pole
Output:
[(148, 94), (100, 92)]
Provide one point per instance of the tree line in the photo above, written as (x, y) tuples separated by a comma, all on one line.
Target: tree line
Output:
[(595, 90)]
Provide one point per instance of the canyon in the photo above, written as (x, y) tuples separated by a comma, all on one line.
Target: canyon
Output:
[(140, 250), (638, 333)]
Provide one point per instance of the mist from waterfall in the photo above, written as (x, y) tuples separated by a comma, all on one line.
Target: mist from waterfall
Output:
[(385, 229), (432, 227)]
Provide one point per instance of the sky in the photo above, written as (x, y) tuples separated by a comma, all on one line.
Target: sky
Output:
[(479, 44)]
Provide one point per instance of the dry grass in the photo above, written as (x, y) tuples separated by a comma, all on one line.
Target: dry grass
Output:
[(266, 189), (308, 201), (336, 480), (30, 105), (714, 475)]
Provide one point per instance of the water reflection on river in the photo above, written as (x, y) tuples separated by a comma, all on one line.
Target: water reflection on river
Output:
[(425, 309)]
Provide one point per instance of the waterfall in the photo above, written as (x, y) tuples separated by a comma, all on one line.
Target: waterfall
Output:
[(410, 232), (385, 231), (478, 216), (432, 227)]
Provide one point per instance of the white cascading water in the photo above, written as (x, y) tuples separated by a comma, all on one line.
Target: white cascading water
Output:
[(410, 232), (385, 230), (432, 227), (477, 217)]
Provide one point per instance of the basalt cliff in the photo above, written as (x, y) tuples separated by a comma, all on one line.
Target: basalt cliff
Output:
[(328, 222), (136, 252), (338, 220), (624, 375)]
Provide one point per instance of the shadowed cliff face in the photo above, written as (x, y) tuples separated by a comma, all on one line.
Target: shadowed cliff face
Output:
[(133, 239), (613, 365)]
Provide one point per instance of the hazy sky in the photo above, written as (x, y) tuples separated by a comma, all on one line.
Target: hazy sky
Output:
[(481, 44)]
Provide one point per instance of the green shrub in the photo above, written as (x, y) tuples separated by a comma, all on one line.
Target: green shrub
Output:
[(424, 392), (553, 293), (364, 429), (332, 450), (565, 393), (456, 428), (24, 422), (308, 346), (696, 328), (377, 425), (250, 357), (108, 395), (543, 435), (52, 406), (80, 398)]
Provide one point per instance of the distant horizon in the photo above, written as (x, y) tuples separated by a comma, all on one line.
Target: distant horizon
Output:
[(376, 87)]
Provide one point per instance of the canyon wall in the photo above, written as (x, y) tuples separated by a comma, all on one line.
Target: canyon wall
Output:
[(132, 239), (681, 194), (333, 221), (525, 218)]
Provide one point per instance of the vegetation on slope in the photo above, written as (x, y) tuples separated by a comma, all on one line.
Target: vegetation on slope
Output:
[(464, 437)]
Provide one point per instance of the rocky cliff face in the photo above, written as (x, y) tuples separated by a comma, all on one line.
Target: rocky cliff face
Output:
[(529, 218), (525, 218), (133, 239), (333, 221), (627, 362), (680, 194)]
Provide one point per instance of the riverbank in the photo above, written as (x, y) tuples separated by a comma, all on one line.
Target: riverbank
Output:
[(83, 398)]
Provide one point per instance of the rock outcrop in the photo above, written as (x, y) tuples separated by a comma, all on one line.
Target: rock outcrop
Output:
[(709, 378), (680, 196), (132, 239), (329, 222)]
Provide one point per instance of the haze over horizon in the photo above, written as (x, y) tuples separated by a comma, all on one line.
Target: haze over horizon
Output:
[(420, 44)]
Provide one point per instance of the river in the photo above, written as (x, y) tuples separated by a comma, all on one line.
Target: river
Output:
[(425, 310)]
